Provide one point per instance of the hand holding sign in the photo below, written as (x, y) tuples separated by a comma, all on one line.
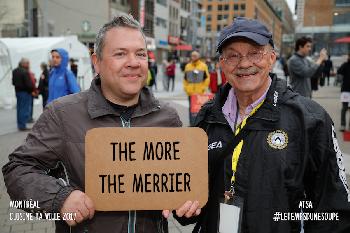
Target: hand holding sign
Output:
[(189, 209), (146, 168), (80, 204)]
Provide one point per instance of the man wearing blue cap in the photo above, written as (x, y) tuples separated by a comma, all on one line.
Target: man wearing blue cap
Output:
[(273, 154)]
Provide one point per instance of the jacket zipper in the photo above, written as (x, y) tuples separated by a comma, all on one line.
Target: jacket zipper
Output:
[(132, 213), (132, 221)]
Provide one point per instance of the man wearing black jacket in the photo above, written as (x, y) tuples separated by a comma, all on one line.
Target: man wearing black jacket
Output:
[(344, 71), (23, 87), (273, 154)]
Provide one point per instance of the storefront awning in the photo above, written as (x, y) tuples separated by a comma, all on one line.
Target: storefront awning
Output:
[(185, 47), (343, 40)]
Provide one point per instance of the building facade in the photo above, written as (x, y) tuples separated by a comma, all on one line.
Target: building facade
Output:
[(13, 18), (172, 27), (288, 26), (324, 21), (219, 14), (161, 29), (41, 18)]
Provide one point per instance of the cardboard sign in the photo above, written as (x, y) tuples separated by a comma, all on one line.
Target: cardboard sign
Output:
[(146, 168), (198, 100)]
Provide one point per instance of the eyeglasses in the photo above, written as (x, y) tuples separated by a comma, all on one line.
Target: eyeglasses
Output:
[(233, 58)]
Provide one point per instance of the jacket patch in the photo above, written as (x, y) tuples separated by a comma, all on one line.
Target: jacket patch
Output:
[(277, 139), (215, 145)]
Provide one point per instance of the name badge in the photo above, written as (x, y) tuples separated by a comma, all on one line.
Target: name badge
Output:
[(230, 217)]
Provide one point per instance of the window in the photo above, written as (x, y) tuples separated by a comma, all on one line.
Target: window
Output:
[(162, 2), (235, 7), (342, 2), (208, 28), (227, 7), (160, 22), (219, 7), (183, 22), (225, 16), (218, 28), (188, 6), (219, 17), (341, 18), (209, 18), (242, 7), (209, 8)]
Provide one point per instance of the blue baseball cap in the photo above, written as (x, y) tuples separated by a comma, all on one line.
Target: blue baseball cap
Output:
[(247, 28)]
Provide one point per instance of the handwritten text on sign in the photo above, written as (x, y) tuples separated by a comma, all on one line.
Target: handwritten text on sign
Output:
[(145, 168)]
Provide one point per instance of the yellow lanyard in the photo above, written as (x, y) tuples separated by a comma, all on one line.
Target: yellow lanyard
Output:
[(238, 149)]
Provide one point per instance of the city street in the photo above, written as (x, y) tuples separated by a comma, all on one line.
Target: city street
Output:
[(49, 49), (10, 138)]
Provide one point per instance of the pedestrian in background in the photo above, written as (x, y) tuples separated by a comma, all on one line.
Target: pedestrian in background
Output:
[(61, 80), (209, 64), (73, 67), (344, 71), (302, 69), (150, 75), (327, 70), (183, 63), (170, 72), (196, 80), (165, 80), (24, 88), (44, 83), (217, 78), (152, 66), (35, 94), (284, 65)]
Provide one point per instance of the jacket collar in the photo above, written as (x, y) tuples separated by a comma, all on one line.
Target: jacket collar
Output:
[(98, 105), (269, 111), (277, 94)]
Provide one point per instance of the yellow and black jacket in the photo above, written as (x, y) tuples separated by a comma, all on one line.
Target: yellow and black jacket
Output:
[(196, 79)]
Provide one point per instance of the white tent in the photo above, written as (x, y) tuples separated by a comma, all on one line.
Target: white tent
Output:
[(7, 92), (37, 50)]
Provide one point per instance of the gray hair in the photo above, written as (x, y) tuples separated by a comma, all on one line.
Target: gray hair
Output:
[(23, 61), (117, 22)]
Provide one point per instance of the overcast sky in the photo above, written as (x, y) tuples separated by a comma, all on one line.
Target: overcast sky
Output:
[(291, 4)]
